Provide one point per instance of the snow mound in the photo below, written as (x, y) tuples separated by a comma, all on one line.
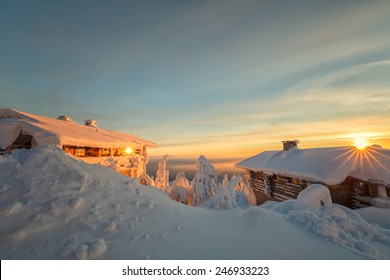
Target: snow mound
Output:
[(314, 196), (92, 251)]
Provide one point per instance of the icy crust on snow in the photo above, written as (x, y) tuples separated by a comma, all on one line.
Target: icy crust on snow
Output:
[(328, 165), (55, 207), (60, 132)]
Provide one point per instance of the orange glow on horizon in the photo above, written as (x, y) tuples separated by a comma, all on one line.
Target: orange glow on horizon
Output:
[(244, 148)]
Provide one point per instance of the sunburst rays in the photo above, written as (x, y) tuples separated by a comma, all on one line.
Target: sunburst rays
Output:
[(364, 163)]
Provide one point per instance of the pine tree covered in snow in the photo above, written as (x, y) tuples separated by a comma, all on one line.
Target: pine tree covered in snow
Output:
[(162, 174), (203, 185)]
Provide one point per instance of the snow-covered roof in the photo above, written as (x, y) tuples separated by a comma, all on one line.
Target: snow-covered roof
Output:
[(62, 132), (328, 165)]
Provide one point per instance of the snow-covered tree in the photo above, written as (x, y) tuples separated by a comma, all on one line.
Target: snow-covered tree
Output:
[(224, 198), (225, 181), (162, 174), (181, 189), (238, 183), (202, 184)]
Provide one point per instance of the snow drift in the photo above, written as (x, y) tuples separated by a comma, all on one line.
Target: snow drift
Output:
[(55, 207)]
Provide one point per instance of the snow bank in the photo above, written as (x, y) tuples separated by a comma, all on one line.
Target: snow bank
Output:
[(55, 207)]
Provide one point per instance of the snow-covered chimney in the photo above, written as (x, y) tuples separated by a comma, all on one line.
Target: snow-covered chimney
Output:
[(65, 118), (92, 123), (287, 145)]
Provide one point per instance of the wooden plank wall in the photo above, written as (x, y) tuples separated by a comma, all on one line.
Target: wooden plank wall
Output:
[(284, 188), (256, 180)]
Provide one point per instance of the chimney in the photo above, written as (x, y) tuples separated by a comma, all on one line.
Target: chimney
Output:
[(287, 145), (92, 123), (65, 118)]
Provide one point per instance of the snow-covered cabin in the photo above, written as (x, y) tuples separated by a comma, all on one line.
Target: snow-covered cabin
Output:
[(124, 152), (355, 178)]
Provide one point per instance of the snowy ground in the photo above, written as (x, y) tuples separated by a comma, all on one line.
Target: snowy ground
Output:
[(55, 207)]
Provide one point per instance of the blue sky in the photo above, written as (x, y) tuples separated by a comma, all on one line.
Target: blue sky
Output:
[(220, 78)]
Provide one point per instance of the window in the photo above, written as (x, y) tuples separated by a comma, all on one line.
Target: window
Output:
[(295, 181), (105, 152), (80, 152)]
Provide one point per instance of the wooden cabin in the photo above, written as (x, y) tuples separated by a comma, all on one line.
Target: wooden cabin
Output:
[(356, 178), (122, 151)]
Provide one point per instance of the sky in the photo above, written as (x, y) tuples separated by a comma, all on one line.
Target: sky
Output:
[(218, 78)]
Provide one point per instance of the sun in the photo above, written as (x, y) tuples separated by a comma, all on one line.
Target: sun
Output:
[(361, 143), (128, 150)]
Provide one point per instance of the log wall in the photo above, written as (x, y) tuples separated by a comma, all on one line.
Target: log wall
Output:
[(280, 188)]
